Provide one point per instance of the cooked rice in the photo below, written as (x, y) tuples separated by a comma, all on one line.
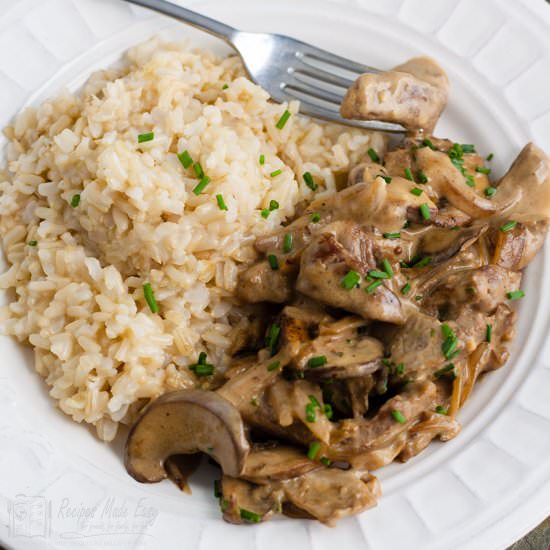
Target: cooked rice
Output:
[(78, 296)]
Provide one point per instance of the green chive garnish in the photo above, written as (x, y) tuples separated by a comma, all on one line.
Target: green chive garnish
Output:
[(408, 174), (441, 410), (273, 366), (287, 243), (150, 298), (273, 205), (262, 160), (372, 287), (387, 179), (32, 243), (488, 333), (423, 262), (398, 417), (483, 170), (265, 213), (468, 148), (387, 267), (422, 178), (515, 294), (313, 450), (350, 280), (252, 517), (395, 235), (318, 361), (198, 169), (273, 262), (489, 157), (400, 369), (405, 289), (425, 211), (225, 86), (428, 143), (149, 136), (202, 369), (445, 370), (272, 338), (275, 173), (199, 188), (75, 201), (327, 409), (373, 155), (490, 191), (221, 202), (310, 412), (374, 274), (283, 120), (316, 217), (217, 488), (185, 159), (308, 179), (325, 461), (508, 226), (416, 191)]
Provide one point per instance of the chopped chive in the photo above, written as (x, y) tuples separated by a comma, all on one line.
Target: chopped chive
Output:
[(325, 461), (254, 402), (373, 155), (199, 188), (185, 159), (447, 331), (262, 160), (247, 515), (265, 213), (372, 287), (418, 297), (272, 338), (32, 243), (274, 366), (405, 289), (490, 191), (441, 410), (387, 179), (275, 173), (470, 180), (316, 217), (350, 280), (483, 170), (445, 370), (202, 358), (224, 504), (327, 409), (488, 332), (150, 298), (468, 148), (489, 157), (387, 267), (221, 202), (428, 143), (406, 224), (408, 174), (149, 136), (217, 488), (425, 211), (448, 347), (508, 226), (75, 201), (287, 243), (273, 205), (515, 294), (313, 450), (225, 86), (318, 361), (398, 417), (283, 120), (273, 262), (198, 169), (422, 178), (202, 370), (400, 369), (395, 235), (310, 412), (423, 262), (378, 274), (416, 191), (456, 151), (308, 179)]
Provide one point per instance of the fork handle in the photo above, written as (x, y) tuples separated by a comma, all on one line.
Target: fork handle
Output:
[(221, 30)]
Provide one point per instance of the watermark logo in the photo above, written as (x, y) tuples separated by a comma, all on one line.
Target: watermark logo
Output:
[(111, 520)]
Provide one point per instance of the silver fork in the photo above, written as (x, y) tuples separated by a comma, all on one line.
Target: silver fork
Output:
[(286, 68)]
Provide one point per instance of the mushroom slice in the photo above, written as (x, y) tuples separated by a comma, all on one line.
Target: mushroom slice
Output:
[(185, 422), (276, 463)]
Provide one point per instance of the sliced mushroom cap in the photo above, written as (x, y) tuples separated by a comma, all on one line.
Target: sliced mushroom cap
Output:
[(185, 422)]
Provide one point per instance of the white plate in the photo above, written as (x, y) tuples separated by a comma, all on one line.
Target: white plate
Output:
[(61, 488)]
